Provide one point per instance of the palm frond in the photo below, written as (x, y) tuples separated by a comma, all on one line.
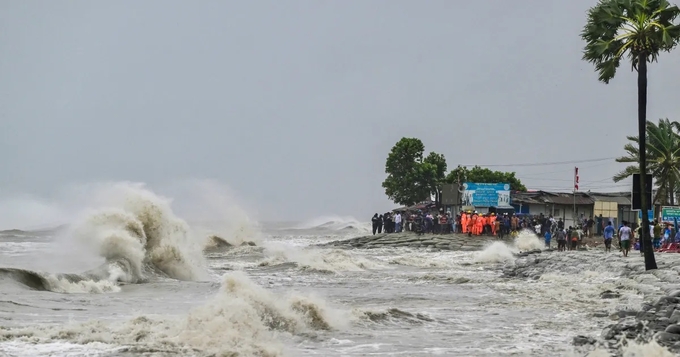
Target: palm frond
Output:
[(631, 28)]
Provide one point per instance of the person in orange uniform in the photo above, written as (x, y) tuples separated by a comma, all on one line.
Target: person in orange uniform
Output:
[(492, 223), (479, 225), (464, 221), (472, 223), (485, 222)]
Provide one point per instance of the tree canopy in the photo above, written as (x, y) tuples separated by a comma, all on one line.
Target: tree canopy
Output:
[(410, 177), (637, 29), (663, 158), (478, 174)]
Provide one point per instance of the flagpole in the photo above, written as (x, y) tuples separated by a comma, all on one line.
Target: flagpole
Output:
[(574, 188)]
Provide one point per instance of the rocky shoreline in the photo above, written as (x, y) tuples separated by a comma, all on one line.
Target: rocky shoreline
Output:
[(658, 318), (460, 242)]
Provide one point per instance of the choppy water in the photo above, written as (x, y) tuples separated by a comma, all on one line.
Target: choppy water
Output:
[(131, 277)]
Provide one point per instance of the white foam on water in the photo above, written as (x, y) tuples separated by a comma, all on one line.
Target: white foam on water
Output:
[(335, 223), (496, 252), (242, 319), (500, 252), (633, 349), (334, 260), (527, 240)]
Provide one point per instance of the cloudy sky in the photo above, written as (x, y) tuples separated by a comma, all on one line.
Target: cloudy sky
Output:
[(294, 105)]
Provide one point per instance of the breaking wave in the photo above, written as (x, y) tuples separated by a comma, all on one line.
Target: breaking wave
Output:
[(499, 252), (242, 319), (334, 224), (65, 283), (136, 233), (392, 316)]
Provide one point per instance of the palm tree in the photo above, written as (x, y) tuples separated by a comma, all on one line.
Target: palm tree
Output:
[(639, 30), (663, 159)]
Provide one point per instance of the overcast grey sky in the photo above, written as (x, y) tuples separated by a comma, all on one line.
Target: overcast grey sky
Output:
[(295, 104)]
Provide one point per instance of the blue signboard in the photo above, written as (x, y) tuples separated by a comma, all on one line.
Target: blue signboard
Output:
[(650, 214), (486, 194)]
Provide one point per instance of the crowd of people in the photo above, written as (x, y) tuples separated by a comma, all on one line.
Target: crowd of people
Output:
[(665, 237), (469, 222)]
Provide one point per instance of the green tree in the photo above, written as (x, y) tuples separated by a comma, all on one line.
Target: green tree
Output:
[(462, 174), (410, 177), (639, 30), (663, 159), (435, 169)]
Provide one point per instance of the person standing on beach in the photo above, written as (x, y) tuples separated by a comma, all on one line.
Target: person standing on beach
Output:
[(574, 239), (397, 223), (625, 234), (374, 221), (608, 236), (561, 240), (657, 234)]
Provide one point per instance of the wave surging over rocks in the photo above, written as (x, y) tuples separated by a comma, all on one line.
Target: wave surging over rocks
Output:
[(653, 329), (499, 252), (241, 320)]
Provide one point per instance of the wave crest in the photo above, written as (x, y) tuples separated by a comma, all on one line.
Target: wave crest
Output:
[(240, 320), (143, 231)]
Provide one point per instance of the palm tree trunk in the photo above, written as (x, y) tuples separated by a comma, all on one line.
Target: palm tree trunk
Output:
[(671, 191), (650, 262)]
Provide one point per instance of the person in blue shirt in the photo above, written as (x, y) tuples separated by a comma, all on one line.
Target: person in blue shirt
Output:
[(608, 236), (547, 239)]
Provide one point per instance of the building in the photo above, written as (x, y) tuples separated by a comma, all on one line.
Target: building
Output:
[(569, 205)]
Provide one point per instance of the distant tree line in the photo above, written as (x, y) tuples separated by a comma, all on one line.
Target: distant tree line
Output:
[(413, 177)]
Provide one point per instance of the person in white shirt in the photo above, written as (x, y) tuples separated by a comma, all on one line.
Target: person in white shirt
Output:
[(397, 223), (625, 234)]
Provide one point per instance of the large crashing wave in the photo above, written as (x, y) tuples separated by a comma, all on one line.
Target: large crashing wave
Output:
[(137, 234), (141, 229)]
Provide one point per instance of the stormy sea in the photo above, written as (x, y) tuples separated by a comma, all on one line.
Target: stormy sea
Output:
[(130, 276)]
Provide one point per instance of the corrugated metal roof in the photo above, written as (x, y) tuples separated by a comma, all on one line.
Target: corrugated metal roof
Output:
[(558, 198), (570, 200), (621, 198)]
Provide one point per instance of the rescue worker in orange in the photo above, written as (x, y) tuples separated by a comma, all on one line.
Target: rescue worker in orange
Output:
[(479, 227), (472, 224), (464, 218), (492, 223)]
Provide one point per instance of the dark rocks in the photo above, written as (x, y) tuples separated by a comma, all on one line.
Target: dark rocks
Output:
[(608, 294), (600, 314), (584, 340), (621, 314), (529, 252), (673, 329), (666, 337), (659, 321), (430, 242), (675, 317)]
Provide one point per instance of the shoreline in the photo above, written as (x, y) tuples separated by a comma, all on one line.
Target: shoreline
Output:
[(656, 319), (453, 241)]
